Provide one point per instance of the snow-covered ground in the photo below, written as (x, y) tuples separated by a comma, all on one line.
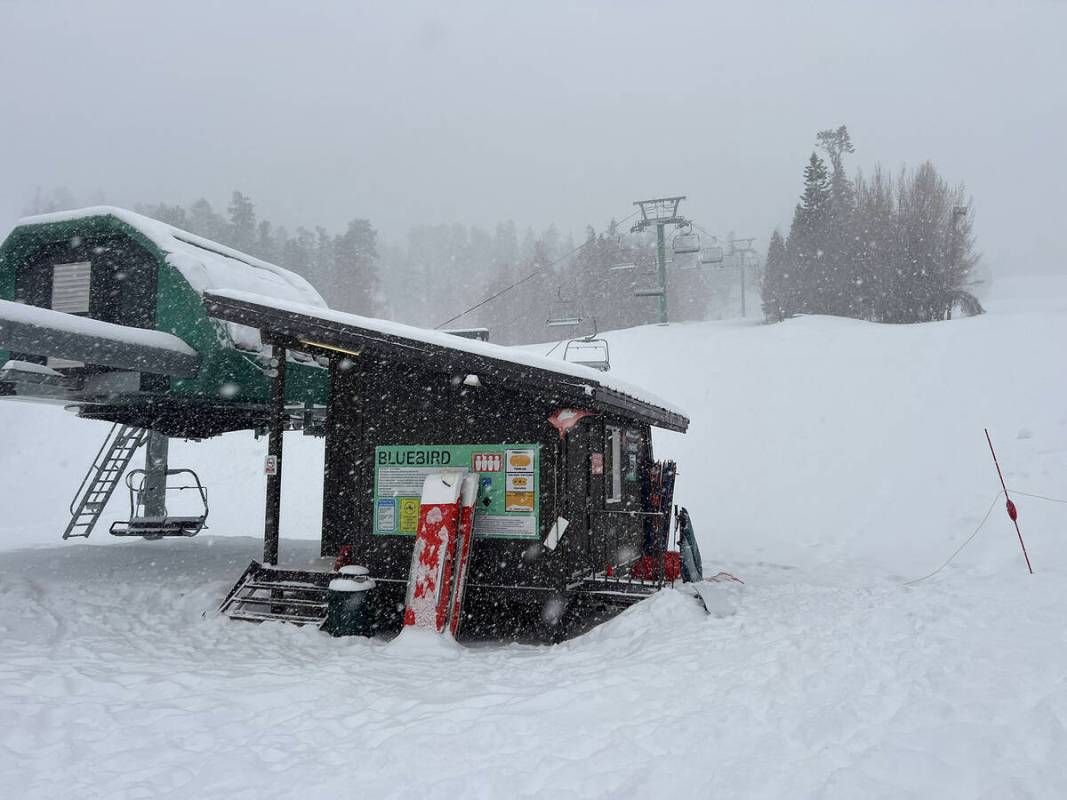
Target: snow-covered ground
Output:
[(829, 461)]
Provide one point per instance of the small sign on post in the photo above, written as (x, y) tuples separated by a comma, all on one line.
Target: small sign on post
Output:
[(270, 465)]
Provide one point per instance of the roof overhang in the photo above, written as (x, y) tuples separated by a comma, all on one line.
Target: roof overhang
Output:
[(310, 332), (44, 332)]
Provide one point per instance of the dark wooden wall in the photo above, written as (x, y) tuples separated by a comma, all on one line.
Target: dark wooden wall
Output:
[(374, 402)]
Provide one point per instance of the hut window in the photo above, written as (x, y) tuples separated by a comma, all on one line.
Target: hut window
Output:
[(70, 287), (614, 465)]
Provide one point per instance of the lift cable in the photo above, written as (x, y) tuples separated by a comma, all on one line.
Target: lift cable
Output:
[(532, 275)]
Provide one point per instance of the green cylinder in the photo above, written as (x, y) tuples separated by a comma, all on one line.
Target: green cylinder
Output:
[(350, 609)]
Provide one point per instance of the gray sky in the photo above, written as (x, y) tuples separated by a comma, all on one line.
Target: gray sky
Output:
[(536, 111)]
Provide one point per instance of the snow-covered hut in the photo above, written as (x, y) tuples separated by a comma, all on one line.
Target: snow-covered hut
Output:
[(563, 455)]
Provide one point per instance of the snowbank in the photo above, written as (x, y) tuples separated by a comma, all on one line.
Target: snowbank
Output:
[(828, 461)]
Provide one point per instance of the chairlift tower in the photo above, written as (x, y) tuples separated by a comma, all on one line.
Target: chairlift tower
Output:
[(741, 248), (659, 212)]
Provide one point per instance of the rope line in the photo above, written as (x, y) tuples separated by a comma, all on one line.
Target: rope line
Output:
[(981, 525), (966, 542), (1038, 496)]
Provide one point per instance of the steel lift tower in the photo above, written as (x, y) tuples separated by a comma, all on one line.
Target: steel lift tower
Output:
[(659, 212)]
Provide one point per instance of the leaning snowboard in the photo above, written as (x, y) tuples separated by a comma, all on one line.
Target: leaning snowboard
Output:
[(429, 581)]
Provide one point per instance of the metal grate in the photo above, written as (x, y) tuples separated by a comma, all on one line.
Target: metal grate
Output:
[(70, 294), (70, 287)]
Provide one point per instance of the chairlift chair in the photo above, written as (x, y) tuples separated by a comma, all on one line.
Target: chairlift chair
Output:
[(564, 313), (685, 243), (589, 351), (711, 255), (158, 527)]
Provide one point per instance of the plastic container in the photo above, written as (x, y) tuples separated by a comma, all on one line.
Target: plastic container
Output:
[(350, 607)]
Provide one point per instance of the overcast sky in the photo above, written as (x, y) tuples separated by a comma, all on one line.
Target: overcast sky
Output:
[(537, 111)]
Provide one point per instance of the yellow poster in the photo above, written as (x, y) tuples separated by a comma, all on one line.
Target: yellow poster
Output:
[(409, 514)]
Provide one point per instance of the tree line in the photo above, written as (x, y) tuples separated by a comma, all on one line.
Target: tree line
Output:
[(882, 247), (438, 271)]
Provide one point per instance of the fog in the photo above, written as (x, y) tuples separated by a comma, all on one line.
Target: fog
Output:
[(409, 113)]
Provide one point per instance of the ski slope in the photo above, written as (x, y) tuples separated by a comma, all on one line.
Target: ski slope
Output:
[(829, 461)]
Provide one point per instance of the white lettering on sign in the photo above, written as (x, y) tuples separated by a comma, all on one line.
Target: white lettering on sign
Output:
[(270, 465)]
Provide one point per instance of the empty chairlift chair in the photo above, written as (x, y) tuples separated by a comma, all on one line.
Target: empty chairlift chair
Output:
[(685, 249), (564, 313), (589, 352), (711, 255), (685, 243), (149, 517)]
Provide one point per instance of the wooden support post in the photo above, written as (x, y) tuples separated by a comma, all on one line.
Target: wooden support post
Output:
[(274, 452)]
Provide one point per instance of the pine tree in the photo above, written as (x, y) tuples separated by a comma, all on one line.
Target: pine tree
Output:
[(172, 215), (298, 253), (265, 246), (808, 240), (323, 266), (242, 229), (355, 255), (839, 279), (775, 289), (203, 221)]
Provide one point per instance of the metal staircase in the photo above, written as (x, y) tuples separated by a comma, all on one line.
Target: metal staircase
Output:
[(264, 593), (103, 476)]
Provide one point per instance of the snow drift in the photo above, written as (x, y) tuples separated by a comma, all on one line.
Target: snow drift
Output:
[(828, 461)]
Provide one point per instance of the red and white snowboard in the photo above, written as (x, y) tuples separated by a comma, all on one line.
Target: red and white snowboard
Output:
[(429, 581), (468, 494)]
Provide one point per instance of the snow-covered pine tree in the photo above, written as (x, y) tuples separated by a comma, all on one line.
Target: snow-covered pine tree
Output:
[(808, 240), (839, 285), (774, 288)]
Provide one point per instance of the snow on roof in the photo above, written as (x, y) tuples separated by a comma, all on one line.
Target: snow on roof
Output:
[(205, 264), (60, 322), (25, 328), (590, 377)]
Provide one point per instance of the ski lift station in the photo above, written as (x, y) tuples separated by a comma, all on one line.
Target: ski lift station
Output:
[(165, 334)]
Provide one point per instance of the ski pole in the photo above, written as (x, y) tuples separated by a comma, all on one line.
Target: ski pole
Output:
[(1013, 513)]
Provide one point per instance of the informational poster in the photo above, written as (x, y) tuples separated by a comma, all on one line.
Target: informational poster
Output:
[(509, 491)]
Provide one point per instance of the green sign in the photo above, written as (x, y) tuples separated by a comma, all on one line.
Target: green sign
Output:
[(509, 486)]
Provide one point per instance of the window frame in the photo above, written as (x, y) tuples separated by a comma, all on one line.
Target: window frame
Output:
[(613, 492)]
